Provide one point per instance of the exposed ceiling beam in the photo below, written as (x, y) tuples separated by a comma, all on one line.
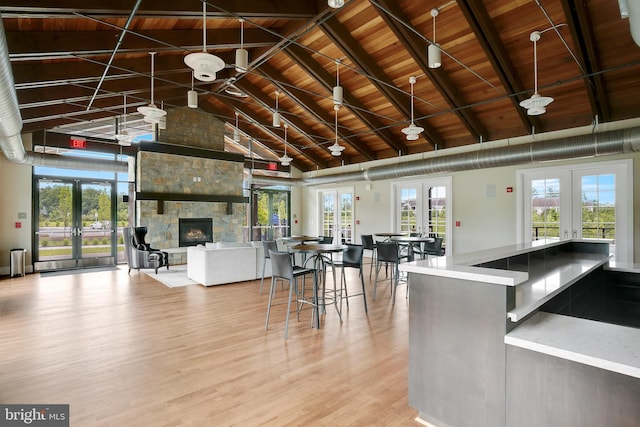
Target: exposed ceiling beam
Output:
[(311, 106), (311, 67), (347, 44), (265, 102), (269, 135), (43, 45), (272, 9), (487, 35), (439, 77), (580, 26)]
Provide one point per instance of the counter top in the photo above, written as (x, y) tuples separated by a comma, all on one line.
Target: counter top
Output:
[(602, 345), (532, 290), (537, 291), (448, 267)]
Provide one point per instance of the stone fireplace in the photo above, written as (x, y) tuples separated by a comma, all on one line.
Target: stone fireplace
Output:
[(187, 175)]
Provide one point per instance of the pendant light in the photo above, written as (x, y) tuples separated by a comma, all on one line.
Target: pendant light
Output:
[(335, 4), (435, 60), (276, 114), (123, 136), (336, 149), (337, 90), (412, 131), (285, 160), (236, 130), (536, 105), (192, 96), (204, 65), (151, 112), (242, 56)]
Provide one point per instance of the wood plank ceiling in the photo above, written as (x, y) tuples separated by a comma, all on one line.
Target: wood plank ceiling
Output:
[(587, 61)]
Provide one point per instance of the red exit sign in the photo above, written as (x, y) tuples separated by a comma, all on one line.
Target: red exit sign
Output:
[(77, 142)]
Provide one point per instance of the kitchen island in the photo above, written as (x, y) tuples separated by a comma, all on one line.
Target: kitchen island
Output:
[(515, 336)]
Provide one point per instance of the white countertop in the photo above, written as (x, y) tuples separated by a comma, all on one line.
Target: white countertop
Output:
[(537, 291), (602, 345), (531, 291), (447, 267)]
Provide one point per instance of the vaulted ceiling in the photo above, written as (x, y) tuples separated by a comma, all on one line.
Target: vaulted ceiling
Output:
[(74, 61)]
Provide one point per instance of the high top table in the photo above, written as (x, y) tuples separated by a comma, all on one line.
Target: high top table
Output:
[(388, 236), (411, 241), (319, 251)]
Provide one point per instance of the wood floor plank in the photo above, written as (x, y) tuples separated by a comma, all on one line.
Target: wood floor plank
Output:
[(128, 351)]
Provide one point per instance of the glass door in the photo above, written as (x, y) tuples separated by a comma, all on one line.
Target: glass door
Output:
[(580, 202), (270, 210), (337, 215), (75, 226), (424, 207)]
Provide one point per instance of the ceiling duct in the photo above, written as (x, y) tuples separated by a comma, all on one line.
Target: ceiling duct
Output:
[(11, 125), (592, 145)]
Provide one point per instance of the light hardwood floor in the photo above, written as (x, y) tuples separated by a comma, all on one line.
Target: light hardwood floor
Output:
[(129, 351)]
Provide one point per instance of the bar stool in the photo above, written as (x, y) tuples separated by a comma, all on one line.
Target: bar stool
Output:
[(351, 258), (268, 245), (282, 268), (369, 245), (388, 254)]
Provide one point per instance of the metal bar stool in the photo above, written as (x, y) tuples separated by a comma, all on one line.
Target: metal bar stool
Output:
[(352, 258), (282, 268)]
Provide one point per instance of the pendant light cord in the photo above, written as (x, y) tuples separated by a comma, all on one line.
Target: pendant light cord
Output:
[(285, 139), (336, 125), (153, 54), (204, 26), (411, 101), (535, 65)]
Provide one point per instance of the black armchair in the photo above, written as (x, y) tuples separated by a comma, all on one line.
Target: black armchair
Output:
[(141, 258), (138, 239)]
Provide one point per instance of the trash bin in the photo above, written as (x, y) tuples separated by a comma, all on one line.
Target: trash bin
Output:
[(17, 262)]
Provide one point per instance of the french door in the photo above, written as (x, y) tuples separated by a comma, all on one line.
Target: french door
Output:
[(75, 224), (424, 207), (580, 202), (336, 214)]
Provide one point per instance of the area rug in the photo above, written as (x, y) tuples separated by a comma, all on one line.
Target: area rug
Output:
[(175, 277)]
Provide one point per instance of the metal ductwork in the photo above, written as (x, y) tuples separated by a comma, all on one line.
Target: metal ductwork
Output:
[(592, 145), (11, 126)]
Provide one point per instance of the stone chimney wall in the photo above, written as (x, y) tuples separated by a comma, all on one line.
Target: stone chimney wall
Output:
[(181, 174)]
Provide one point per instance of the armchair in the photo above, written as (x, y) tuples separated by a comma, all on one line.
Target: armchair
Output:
[(140, 258), (139, 243)]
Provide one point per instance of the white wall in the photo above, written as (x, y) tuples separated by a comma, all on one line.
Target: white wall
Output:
[(487, 213), (15, 198)]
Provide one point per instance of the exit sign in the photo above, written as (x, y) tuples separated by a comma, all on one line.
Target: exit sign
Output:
[(77, 142)]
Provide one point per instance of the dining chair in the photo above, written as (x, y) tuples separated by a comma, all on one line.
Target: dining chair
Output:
[(283, 268), (326, 240), (434, 248), (267, 245), (351, 258), (388, 254), (368, 244)]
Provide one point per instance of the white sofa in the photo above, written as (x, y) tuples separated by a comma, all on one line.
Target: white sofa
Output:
[(221, 263)]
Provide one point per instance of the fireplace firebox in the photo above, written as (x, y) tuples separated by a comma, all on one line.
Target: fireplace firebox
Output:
[(194, 231)]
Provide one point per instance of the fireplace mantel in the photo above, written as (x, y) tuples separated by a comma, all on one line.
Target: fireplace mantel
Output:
[(180, 197)]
